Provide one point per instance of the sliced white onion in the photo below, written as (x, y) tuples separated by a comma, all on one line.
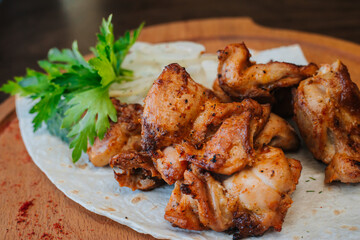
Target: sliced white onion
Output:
[(148, 60)]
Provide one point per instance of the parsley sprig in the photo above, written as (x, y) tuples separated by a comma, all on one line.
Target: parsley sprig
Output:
[(78, 89)]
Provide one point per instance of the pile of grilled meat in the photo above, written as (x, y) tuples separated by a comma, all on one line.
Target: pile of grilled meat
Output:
[(223, 149)]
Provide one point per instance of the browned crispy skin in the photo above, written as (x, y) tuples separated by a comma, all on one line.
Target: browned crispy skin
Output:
[(263, 192), (220, 93), (240, 78), (171, 106), (199, 202), (124, 135), (252, 200), (278, 133), (170, 164), (327, 112), (214, 114), (135, 170), (230, 148)]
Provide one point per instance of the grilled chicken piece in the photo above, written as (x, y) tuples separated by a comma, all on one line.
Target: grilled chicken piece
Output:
[(327, 112), (240, 78), (278, 133), (170, 164), (135, 170), (230, 148), (171, 106), (252, 200), (199, 202), (215, 113), (124, 135), (262, 193)]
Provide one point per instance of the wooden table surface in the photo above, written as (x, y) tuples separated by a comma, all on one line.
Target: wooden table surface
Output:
[(31, 206), (29, 28)]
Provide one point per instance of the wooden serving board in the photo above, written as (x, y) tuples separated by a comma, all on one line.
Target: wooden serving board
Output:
[(31, 207)]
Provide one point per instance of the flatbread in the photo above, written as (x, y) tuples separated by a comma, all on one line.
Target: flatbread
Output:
[(319, 211)]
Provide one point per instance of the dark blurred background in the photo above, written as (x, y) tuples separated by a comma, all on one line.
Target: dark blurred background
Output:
[(28, 28)]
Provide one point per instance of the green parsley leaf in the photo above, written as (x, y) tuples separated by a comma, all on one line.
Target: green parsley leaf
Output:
[(115, 51), (35, 82), (104, 69), (122, 47), (69, 56), (46, 107), (97, 108), (51, 69), (13, 87), (77, 80)]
